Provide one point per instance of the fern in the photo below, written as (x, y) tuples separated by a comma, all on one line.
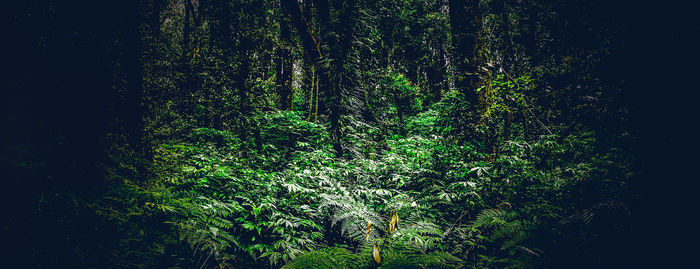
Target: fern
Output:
[(490, 217), (327, 258), (354, 217), (511, 230)]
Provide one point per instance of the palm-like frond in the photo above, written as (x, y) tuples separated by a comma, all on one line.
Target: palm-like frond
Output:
[(354, 217)]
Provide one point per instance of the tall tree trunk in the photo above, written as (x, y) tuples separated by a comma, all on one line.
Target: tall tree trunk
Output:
[(309, 74), (309, 86), (243, 99), (340, 50), (185, 67), (284, 63), (323, 71), (187, 29), (464, 22), (222, 37)]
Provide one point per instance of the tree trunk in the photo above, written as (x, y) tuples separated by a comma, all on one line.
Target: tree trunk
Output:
[(185, 67), (241, 77), (331, 85), (309, 74), (340, 49), (464, 22), (284, 63)]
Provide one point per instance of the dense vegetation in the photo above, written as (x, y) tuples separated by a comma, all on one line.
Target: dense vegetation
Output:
[(323, 134)]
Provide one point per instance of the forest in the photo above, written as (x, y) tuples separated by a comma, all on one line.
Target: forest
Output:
[(347, 134)]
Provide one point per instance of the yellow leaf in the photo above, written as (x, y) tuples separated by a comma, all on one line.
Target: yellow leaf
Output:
[(375, 253), (394, 223), (369, 228)]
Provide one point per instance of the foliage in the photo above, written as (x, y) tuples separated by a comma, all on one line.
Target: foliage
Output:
[(333, 257), (330, 134)]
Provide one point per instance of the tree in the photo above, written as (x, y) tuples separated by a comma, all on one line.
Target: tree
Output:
[(330, 76), (284, 62), (464, 22)]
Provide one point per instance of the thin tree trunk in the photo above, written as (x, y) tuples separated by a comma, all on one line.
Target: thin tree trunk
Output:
[(243, 72), (185, 67)]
